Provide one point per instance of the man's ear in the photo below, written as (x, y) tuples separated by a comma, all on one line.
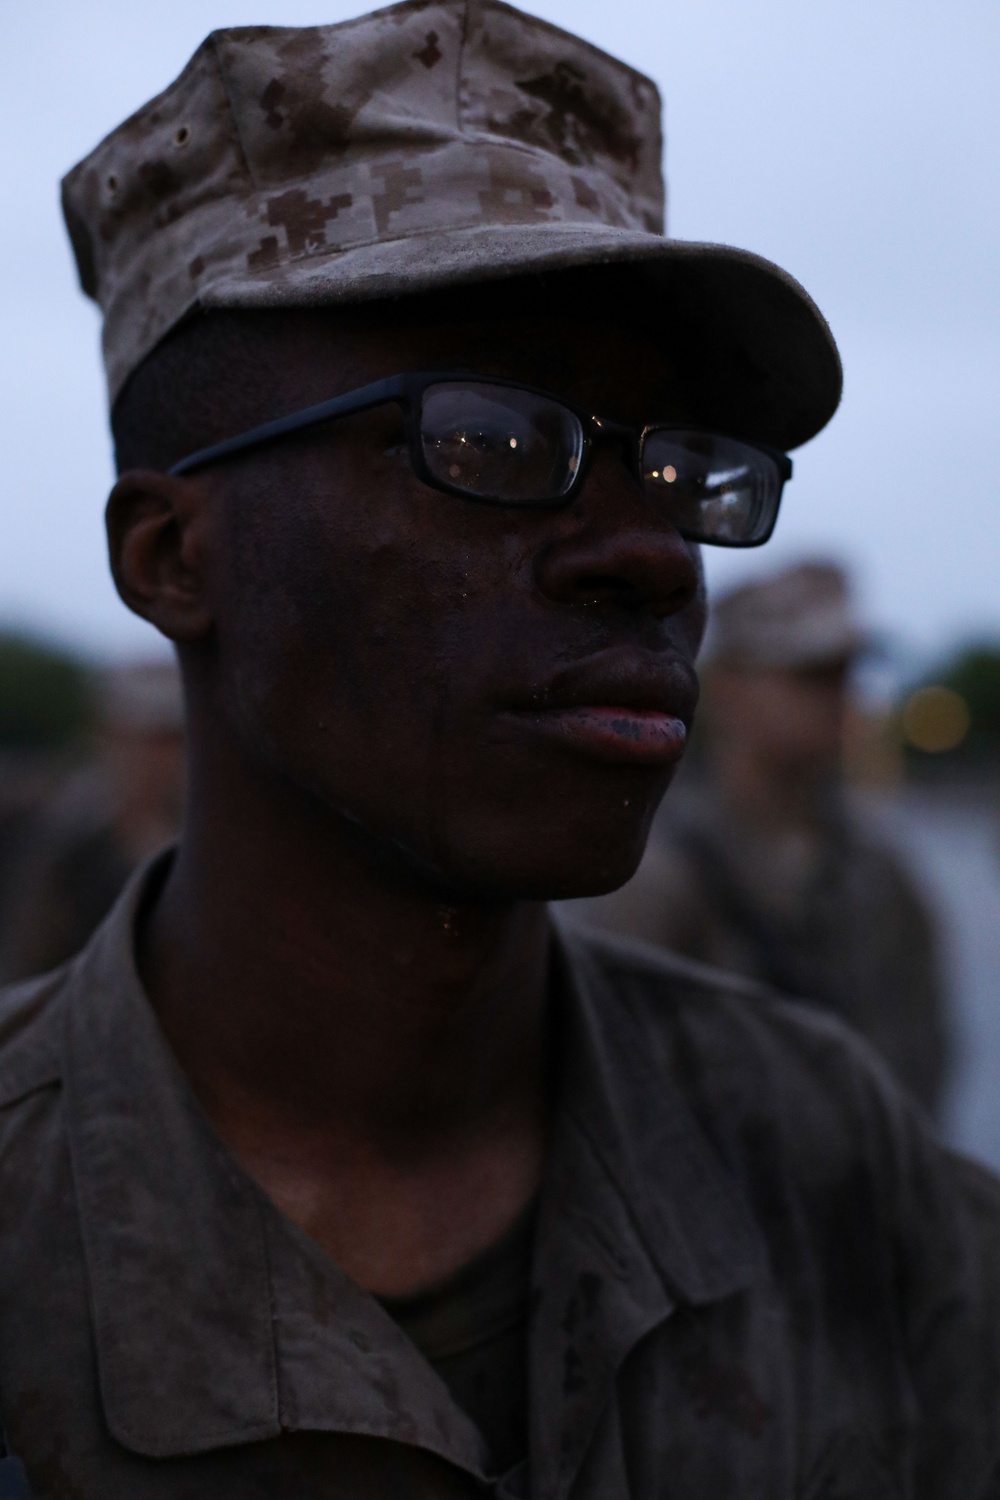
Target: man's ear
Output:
[(159, 547)]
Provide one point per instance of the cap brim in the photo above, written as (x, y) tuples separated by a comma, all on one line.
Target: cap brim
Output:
[(757, 351)]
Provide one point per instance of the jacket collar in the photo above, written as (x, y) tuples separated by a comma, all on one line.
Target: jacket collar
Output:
[(691, 1217), (218, 1322), (638, 1215)]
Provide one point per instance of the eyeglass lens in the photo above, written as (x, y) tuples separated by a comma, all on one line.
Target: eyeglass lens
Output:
[(513, 446), (500, 443), (716, 489)]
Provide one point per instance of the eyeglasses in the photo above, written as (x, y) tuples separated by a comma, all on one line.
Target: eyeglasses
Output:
[(500, 442)]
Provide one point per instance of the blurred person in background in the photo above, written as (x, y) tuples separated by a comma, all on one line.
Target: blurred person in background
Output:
[(763, 867), (102, 822)]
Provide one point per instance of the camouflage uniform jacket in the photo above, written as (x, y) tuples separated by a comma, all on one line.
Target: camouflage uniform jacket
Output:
[(755, 1273)]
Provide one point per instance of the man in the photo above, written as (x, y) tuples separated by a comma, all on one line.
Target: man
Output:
[(761, 866), (102, 822), (330, 1169)]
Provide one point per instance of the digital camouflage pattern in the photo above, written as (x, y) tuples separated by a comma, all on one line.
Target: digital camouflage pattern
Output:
[(429, 143)]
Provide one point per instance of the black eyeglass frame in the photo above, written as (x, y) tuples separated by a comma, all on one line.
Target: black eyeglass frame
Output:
[(407, 392)]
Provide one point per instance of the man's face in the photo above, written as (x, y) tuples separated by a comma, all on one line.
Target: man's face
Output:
[(791, 719), (480, 691)]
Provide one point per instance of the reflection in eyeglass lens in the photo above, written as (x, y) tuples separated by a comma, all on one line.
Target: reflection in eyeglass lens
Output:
[(719, 490), (499, 442)]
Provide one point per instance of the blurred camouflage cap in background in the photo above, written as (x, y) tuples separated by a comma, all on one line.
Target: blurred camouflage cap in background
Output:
[(803, 616), (430, 144)]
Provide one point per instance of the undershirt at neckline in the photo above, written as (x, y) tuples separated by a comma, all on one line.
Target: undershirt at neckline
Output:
[(473, 1330)]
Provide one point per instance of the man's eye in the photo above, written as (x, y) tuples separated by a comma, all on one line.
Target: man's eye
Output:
[(396, 450)]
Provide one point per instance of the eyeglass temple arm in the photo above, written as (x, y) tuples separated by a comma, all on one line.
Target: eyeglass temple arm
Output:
[(338, 406)]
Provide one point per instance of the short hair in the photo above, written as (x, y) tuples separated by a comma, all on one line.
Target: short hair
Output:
[(202, 382)]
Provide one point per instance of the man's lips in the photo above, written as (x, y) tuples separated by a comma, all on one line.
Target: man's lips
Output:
[(621, 706), (616, 732)]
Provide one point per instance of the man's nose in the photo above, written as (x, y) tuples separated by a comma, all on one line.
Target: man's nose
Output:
[(617, 546)]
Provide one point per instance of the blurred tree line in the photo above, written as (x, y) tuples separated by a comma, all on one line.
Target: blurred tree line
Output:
[(46, 696)]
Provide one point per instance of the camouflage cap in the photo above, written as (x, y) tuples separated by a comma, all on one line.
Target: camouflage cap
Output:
[(803, 616), (428, 144)]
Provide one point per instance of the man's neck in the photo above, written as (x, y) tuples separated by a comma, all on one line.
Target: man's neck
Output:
[(373, 1055)]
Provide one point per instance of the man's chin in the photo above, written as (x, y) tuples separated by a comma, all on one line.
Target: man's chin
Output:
[(542, 875), (574, 887), (509, 849)]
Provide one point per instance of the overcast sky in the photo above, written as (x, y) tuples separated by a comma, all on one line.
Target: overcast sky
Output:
[(853, 141)]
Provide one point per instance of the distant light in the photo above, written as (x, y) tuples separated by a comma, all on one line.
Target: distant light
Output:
[(655, 474), (670, 473), (513, 442), (454, 471), (935, 719)]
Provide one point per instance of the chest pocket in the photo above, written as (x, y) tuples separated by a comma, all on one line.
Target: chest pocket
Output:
[(852, 1468)]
